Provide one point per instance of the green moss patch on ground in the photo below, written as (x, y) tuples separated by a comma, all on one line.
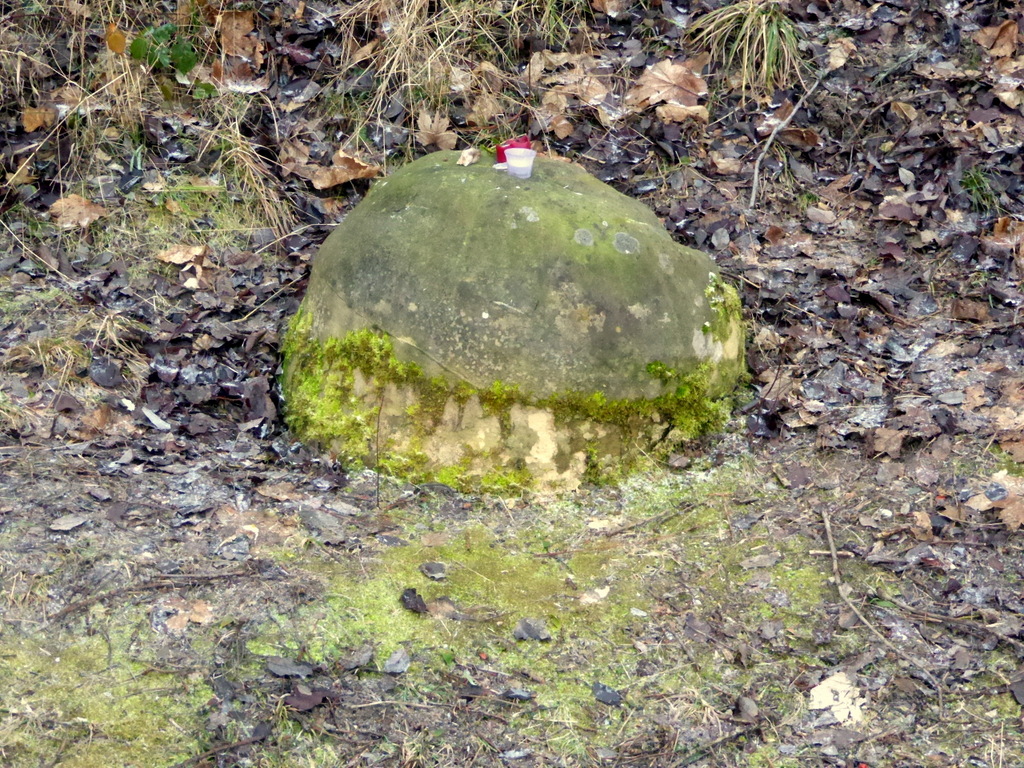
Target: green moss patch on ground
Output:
[(597, 594), (95, 701)]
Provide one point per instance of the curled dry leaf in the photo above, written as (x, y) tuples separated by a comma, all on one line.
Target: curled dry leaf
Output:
[(433, 129), (344, 168), (75, 211), (469, 156)]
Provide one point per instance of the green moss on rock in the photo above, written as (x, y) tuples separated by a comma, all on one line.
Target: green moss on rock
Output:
[(353, 396)]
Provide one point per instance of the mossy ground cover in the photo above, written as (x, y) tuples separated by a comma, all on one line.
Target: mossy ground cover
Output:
[(89, 700), (683, 592), (719, 577)]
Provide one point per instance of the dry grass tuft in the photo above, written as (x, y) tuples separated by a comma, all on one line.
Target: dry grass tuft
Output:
[(755, 42), (422, 51)]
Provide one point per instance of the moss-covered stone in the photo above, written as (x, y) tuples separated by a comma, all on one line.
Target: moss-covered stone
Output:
[(460, 318), (354, 397)]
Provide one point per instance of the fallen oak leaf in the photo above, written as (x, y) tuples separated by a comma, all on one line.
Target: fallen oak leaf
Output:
[(75, 211)]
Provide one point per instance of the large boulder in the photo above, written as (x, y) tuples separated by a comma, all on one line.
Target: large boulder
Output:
[(470, 327)]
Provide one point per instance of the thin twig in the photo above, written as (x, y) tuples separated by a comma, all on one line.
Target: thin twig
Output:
[(168, 582), (773, 134), (844, 592), (655, 520), (196, 759)]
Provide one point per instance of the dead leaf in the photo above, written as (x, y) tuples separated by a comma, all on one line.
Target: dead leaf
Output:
[(596, 595), (612, 8), (724, 165), (820, 215), (546, 61), (1007, 237), (766, 560), (676, 113), (115, 38), (435, 539), (185, 612), (485, 108), (177, 622), (201, 612), (283, 491), (183, 254), (561, 127), (775, 234), (68, 522), (1012, 514), (885, 440), (34, 118), (237, 74), (469, 156), (344, 168), (800, 138), (839, 52), (897, 208), (433, 129), (999, 40), (75, 211), (904, 111), (192, 259), (1015, 449), (965, 309), (839, 695), (236, 38), (669, 82)]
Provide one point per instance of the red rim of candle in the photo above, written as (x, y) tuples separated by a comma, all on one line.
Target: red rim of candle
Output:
[(520, 142)]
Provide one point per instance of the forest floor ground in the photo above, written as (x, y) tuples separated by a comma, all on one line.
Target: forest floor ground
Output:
[(835, 579)]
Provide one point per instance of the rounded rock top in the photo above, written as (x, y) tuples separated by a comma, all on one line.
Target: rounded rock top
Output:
[(461, 322), (557, 282)]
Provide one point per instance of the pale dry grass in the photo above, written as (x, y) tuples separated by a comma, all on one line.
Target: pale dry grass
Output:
[(754, 42)]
